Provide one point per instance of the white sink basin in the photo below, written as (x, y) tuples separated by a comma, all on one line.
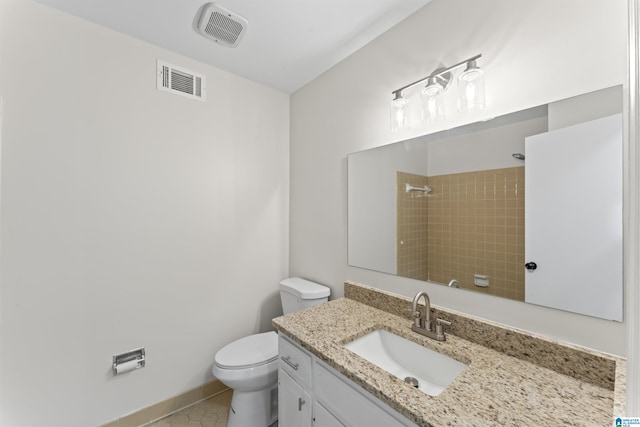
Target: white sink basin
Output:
[(403, 358)]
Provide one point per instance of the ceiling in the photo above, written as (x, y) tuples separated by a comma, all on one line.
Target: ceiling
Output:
[(287, 44)]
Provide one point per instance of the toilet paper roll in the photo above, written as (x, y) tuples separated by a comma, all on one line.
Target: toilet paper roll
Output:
[(127, 366)]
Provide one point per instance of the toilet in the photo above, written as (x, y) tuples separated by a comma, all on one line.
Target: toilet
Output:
[(249, 365)]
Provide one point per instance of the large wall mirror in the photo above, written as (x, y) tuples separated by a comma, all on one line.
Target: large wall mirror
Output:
[(526, 206)]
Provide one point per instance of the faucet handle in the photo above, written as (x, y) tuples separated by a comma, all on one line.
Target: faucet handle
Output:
[(417, 318), (439, 331)]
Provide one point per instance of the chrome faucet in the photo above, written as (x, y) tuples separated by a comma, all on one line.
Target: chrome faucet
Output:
[(424, 325), (419, 322)]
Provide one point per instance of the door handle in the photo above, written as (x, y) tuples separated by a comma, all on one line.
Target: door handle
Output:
[(531, 266), (301, 402)]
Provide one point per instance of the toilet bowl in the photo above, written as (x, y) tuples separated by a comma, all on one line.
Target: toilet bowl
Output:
[(249, 365)]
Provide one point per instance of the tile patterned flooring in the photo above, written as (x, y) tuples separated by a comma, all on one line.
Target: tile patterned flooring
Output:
[(212, 412)]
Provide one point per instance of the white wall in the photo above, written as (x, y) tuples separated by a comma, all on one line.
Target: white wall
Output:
[(372, 186), (130, 217), (489, 147), (580, 109), (533, 53)]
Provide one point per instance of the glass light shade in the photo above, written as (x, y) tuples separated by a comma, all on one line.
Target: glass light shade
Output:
[(399, 113), (471, 89), (432, 102)]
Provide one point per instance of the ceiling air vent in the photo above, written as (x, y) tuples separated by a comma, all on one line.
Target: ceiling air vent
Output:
[(181, 81), (222, 25)]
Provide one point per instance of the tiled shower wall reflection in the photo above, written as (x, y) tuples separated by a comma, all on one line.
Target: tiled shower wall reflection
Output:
[(475, 225), (412, 242)]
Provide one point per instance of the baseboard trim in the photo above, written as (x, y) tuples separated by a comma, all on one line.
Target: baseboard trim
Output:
[(169, 406)]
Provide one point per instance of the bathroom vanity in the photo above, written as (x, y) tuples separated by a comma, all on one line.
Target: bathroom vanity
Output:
[(511, 378), (314, 394)]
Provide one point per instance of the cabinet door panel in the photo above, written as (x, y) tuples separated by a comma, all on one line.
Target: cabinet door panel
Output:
[(294, 404), (323, 418)]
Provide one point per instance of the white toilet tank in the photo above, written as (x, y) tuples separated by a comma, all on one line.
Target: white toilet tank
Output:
[(297, 294)]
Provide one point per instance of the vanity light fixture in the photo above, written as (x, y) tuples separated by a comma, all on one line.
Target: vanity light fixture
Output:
[(470, 94)]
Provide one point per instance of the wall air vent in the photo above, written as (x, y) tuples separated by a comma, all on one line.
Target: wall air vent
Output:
[(181, 81), (222, 25)]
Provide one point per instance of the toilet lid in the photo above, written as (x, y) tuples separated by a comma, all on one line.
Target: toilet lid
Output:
[(253, 350)]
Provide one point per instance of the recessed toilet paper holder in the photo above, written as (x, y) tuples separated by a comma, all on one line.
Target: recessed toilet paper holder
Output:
[(129, 361)]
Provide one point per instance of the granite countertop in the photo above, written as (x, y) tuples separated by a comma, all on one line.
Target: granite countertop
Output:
[(496, 389)]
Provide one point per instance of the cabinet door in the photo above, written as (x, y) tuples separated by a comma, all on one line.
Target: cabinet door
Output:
[(323, 418), (294, 403)]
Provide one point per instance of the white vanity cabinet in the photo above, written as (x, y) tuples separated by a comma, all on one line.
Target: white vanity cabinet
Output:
[(349, 402), (294, 385), (311, 393)]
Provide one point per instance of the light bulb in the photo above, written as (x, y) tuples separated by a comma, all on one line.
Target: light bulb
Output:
[(471, 88), (432, 103), (399, 113)]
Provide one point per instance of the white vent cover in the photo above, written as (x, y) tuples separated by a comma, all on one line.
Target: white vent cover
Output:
[(221, 25), (180, 81)]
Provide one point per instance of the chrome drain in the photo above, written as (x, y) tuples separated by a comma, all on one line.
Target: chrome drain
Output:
[(412, 381)]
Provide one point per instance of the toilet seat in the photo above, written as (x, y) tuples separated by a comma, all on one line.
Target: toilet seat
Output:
[(248, 352)]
